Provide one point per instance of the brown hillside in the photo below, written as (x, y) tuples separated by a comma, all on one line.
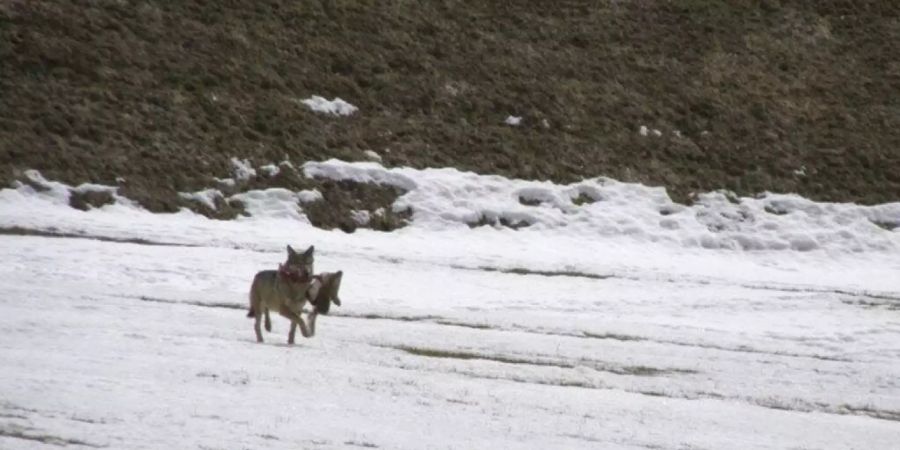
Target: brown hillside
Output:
[(789, 96)]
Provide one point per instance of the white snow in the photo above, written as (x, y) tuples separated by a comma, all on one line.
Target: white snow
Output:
[(272, 203), (269, 170), (57, 193), (275, 203), (227, 182), (336, 107), (612, 331), (372, 155), (363, 172), (243, 170), (644, 131), (362, 218), (51, 191), (309, 195), (513, 121), (93, 187), (449, 199), (205, 197)]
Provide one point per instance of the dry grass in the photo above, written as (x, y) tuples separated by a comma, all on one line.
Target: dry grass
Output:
[(743, 93)]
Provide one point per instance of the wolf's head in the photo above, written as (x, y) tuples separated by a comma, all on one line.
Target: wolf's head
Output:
[(299, 265), (328, 291)]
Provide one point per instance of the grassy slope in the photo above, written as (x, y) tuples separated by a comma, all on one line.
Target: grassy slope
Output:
[(164, 93)]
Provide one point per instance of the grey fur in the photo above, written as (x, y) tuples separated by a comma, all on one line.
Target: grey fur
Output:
[(284, 291)]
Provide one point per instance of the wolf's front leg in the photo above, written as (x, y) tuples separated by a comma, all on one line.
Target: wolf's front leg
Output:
[(311, 318), (296, 320)]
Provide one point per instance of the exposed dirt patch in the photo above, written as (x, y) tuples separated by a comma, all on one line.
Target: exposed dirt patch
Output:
[(770, 95), (889, 226), (85, 200), (543, 273), (145, 298), (30, 434), (884, 414), (873, 303), (584, 199), (499, 222), (436, 353), (773, 209), (529, 201), (19, 231), (349, 205), (362, 444), (477, 326), (614, 336), (643, 371), (387, 317)]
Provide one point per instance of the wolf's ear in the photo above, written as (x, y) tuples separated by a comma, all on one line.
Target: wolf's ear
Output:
[(309, 251), (291, 250)]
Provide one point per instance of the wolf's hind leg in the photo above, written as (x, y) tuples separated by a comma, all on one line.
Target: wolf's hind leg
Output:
[(256, 307), (257, 319), (268, 321)]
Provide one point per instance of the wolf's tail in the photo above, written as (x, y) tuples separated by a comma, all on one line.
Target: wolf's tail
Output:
[(251, 312)]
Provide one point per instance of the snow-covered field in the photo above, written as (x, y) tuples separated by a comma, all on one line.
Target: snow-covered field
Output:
[(630, 322)]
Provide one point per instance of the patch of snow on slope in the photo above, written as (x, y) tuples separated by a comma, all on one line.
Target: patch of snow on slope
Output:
[(336, 107), (449, 198), (372, 155), (49, 191), (84, 188), (275, 203), (243, 170), (362, 218), (57, 193), (206, 197), (361, 172), (309, 195), (563, 248), (270, 170), (227, 182)]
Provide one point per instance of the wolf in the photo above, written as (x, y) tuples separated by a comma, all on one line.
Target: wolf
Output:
[(283, 290), (321, 294)]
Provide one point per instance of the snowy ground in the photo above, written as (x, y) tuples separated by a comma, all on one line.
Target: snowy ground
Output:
[(447, 338)]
